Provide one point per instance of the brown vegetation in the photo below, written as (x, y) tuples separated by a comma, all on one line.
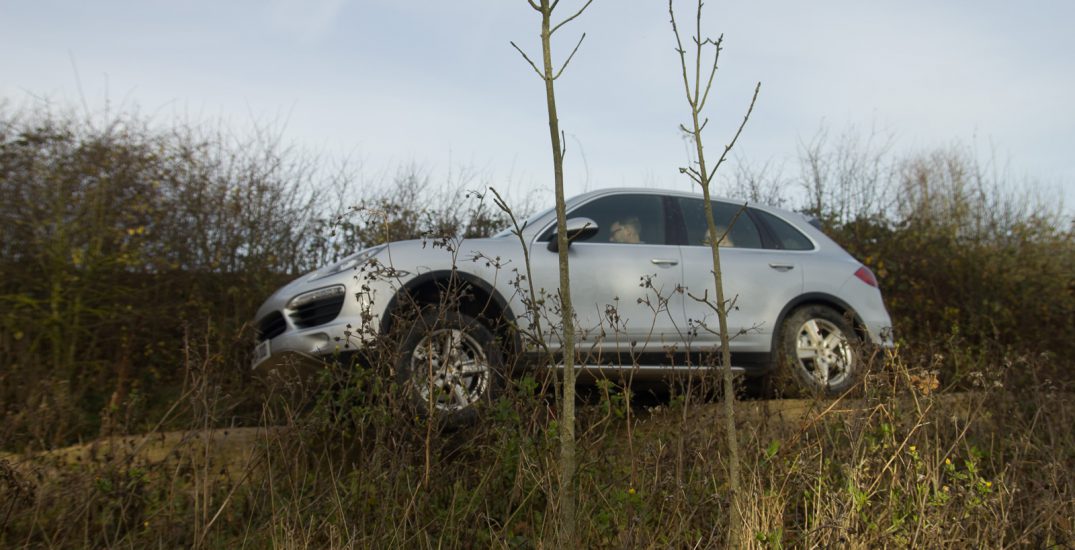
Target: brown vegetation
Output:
[(131, 259)]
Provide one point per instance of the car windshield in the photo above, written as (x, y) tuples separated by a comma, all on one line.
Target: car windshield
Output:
[(526, 223)]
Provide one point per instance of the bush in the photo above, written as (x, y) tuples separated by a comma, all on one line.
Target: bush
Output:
[(119, 240), (965, 255), (123, 243)]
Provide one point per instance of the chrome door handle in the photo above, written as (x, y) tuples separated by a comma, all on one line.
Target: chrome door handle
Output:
[(664, 261), (782, 267)]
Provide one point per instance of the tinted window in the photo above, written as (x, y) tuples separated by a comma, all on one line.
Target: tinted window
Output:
[(622, 219), (743, 234), (787, 236)]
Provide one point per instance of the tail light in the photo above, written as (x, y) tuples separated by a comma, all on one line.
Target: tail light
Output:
[(865, 275)]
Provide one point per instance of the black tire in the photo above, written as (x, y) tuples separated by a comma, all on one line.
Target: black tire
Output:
[(816, 354), (456, 391)]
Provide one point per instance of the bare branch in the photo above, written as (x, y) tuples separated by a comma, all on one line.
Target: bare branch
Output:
[(746, 117), (533, 5), (731, 224), (713, 72), (682, 55), (568, 20), (564, 66), (499, 202), (692, 173), (704, 300), (728, 304), (697, 56), (527, 58)]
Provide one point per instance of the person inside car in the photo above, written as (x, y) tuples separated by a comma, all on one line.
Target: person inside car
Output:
[(625, 231)]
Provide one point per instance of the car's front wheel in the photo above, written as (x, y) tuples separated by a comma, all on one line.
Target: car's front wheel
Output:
[(450, 366), (816, 353)]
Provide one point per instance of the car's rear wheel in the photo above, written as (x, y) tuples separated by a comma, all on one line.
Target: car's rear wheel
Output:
[(450, 367), (816, 354)]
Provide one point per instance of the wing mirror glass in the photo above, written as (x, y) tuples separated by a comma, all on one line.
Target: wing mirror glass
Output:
[(578, 229)]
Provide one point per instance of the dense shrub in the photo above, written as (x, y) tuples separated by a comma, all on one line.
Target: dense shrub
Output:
[(966, 255), (123, 243)]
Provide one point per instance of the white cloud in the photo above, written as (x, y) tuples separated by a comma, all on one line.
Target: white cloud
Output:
[(306, 20)]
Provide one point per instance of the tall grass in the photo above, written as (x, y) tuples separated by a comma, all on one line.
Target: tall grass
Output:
[(135, 258), (903, 465)]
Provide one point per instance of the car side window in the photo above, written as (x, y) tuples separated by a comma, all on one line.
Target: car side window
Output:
[(743, 233), (622, 219), (787, 237)]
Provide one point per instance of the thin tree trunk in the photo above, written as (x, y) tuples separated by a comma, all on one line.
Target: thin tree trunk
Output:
[(696, 98), (567, 532), (567, 421)]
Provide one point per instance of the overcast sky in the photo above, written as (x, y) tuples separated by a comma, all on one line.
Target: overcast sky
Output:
[(387, 82)]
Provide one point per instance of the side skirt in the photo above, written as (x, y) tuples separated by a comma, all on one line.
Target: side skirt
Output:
[(654, 366)]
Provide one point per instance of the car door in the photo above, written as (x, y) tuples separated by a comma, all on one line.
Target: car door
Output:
[(758, 281), (623, 278)]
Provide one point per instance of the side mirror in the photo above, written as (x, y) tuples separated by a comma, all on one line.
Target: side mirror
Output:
[(578, 229)]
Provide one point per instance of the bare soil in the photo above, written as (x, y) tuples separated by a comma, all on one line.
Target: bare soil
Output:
[(239, 449)]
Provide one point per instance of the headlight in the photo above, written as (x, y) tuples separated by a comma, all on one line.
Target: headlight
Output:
[(315, 295), (350, 262)]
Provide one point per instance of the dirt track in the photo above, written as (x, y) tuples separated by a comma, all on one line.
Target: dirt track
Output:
[(238, 448)]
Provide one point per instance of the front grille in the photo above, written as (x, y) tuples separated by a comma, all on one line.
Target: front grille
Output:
[(271, 326), (317, 312)]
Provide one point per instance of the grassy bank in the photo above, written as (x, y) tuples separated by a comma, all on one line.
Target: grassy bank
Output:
[(902, 465)]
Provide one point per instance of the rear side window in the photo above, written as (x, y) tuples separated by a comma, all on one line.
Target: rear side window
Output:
[(743, 234), (787, 237)]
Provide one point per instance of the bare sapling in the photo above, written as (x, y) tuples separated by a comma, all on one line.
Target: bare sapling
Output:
[(697, 92), (567, 533)]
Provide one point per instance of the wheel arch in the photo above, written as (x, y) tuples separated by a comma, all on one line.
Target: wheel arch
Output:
[(818, 299), (477, 298)]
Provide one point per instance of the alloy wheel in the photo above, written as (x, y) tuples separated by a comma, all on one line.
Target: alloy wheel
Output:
[(823, 353), (449, 369)]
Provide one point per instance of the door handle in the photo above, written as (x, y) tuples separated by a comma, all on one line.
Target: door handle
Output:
[(782, 267), (664, 261)]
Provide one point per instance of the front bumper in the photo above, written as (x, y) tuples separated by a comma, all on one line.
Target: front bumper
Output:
[(302, 346), (294, 332)]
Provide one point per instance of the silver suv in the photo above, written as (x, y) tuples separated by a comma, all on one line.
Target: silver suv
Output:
[(640, 286)]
